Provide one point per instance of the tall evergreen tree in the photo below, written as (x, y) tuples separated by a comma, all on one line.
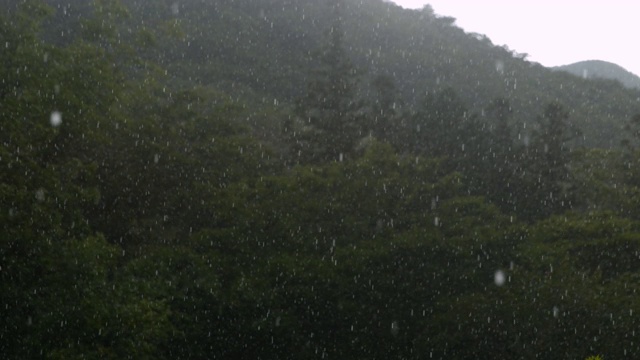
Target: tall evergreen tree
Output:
[(548, 163), (630, 154), (329, 111), (385, 108), (438, 126), (502, 153)]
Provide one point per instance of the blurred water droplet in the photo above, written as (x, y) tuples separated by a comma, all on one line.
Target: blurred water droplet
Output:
[(40, 195), (499, 278), (55, 119)]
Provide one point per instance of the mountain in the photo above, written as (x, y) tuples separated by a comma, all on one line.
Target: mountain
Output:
[(592, 69), (393, 211), (267, 52), (263, 52)]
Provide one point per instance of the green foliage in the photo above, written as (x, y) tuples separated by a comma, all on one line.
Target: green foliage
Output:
[(144, 217), (329, 112)]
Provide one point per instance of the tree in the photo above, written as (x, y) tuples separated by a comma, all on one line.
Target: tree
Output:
[(438, 124), (630, 145), (386, 116), (329, 112), (549, 182), (503, 155)]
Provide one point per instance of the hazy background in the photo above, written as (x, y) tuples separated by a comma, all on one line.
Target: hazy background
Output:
[(553, 33)]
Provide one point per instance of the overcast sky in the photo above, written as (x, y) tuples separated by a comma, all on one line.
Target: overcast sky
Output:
[(552, 32)]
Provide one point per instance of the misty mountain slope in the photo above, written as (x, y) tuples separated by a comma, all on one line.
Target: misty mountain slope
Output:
[(267, 51), (593, 69), (263, 52), (425, 53)]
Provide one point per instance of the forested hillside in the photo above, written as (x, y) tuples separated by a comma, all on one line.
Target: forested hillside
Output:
[(291, 179), (263, 52)]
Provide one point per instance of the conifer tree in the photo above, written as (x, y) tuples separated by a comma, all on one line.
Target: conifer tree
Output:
[(548, 162), (329, 111), (502, 153), (439, 125)]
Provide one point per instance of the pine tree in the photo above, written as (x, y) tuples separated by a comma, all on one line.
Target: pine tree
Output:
[(439, 125), (385, 108), (329, 112), (548, 162), (503, 154)]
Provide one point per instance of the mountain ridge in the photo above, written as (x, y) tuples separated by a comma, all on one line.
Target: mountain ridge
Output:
[(261, 53), (600, 69)]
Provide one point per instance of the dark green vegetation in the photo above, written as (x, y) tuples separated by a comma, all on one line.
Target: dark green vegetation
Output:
[(305, 180), (596, 69)]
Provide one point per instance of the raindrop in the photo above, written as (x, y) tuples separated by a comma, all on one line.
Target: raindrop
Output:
[(499, 278), (40, 194), (175, 8), (395, 328), (55, 119)]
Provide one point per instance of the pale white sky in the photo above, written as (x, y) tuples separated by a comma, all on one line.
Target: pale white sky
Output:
[(552, 32)]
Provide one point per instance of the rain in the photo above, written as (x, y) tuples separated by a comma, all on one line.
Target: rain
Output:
[(286, 179)]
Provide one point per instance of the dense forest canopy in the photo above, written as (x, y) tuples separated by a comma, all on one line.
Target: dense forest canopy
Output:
[(306, 179)]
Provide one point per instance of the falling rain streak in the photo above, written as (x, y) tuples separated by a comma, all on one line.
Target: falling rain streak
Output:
[(336, 179)]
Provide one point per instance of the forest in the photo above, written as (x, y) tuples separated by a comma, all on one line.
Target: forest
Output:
[(306, 179)]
